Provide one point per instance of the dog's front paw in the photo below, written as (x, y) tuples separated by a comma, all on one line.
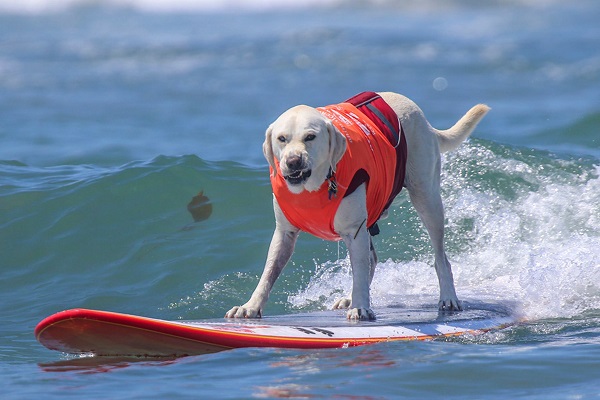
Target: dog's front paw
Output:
[(450, 305), (361, 314), (342, 303), (243, 312)]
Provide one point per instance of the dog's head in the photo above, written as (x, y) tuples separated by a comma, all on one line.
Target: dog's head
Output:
[(306, 145)]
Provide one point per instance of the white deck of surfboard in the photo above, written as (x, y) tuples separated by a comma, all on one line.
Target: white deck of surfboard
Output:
[(390, 323)]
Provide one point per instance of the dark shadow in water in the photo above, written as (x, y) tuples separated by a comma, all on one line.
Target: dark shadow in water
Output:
[(94, 365)]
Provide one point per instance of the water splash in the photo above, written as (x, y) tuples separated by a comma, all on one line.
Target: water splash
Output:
[(519, 228)]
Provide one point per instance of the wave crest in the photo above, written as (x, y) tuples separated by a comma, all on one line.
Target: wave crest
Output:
[(520, 227)]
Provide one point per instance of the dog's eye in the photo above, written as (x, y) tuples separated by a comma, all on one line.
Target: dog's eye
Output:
[(310, 137), (281, 139)]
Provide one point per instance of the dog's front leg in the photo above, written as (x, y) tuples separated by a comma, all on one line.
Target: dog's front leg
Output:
[(350, 223), (280, 252), (346, 302), (358, 247)]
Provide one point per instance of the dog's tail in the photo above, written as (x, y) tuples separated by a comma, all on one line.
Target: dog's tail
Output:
[(450, 139)]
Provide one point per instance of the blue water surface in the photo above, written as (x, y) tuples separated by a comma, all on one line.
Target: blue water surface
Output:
[(113, 115)]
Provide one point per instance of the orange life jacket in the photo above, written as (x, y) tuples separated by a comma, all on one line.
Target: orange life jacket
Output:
[(370, 157)]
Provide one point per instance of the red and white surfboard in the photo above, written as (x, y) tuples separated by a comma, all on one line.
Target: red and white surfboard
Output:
[(104, 333)]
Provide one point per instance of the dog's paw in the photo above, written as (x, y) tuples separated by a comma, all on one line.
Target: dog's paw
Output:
[(361, 314), (450, 305), (243, 312), (342, 303)]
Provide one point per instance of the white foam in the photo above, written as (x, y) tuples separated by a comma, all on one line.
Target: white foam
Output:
[(540, 249)]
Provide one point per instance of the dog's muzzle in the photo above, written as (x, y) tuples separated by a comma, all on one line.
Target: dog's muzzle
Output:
[(298, 177)]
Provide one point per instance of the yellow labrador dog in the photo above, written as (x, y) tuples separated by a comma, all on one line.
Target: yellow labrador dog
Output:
[(305, 148)]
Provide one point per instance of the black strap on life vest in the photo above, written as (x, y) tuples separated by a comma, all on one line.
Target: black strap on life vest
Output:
[(381, 114)]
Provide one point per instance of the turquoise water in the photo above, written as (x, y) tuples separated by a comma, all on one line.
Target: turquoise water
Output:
[(113, 118)]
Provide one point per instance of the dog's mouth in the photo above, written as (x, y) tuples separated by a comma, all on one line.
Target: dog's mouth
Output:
[(297, 177)]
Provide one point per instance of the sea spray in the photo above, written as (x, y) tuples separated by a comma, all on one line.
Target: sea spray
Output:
[(522, 226)]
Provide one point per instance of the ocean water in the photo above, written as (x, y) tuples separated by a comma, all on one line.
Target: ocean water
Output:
[(115, 114)]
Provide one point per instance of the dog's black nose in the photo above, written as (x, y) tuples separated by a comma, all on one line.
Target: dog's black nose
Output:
[(294, 163)]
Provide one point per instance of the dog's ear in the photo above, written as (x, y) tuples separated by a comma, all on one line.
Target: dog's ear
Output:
[(337, 145), (268, 149)]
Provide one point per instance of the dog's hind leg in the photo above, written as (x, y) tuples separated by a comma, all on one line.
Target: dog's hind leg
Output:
[(427, 201)]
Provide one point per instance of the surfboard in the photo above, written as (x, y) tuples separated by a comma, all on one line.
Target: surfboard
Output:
[(105, 333)]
